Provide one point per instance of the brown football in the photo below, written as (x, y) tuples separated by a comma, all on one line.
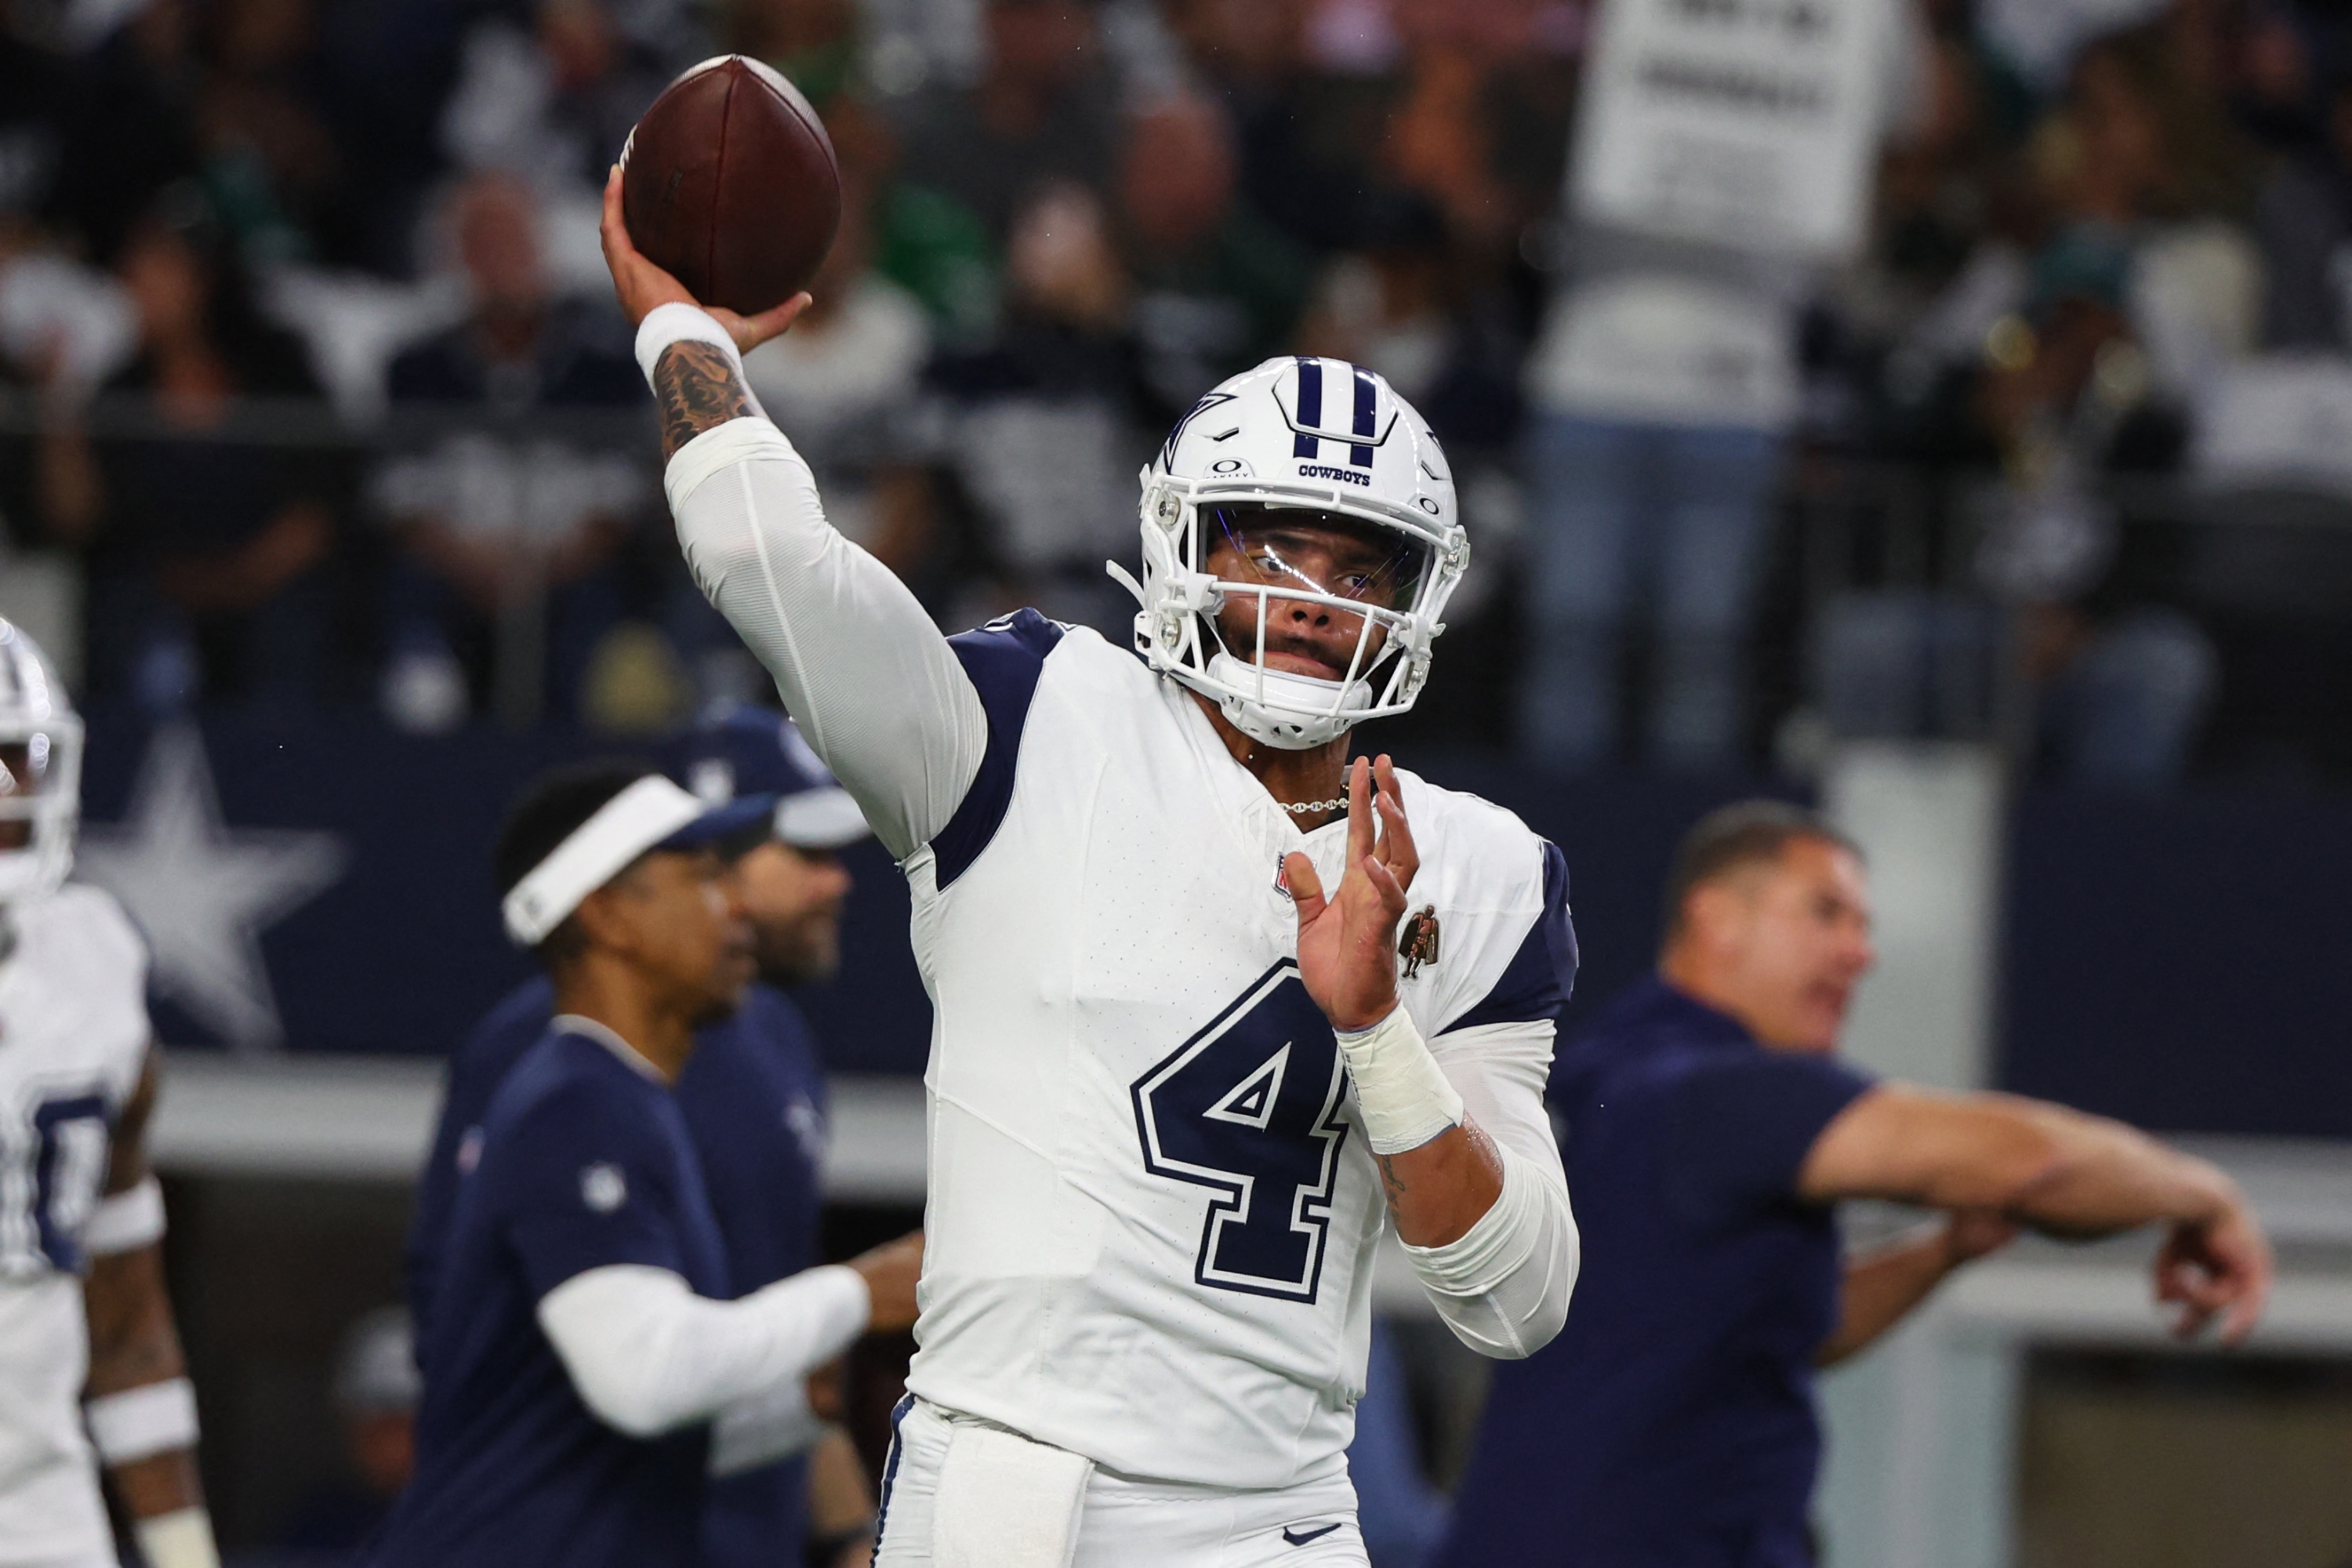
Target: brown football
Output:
[(729, 183)]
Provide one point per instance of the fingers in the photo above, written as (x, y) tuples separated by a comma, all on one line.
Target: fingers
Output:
[(751, 331), (614, 230), (1391, 888), (1397, 847), (1306, 887), (638, 283), (1359, 811), (2222, 1273)]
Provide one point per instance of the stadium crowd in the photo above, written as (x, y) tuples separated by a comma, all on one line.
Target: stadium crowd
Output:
[(310, 366)]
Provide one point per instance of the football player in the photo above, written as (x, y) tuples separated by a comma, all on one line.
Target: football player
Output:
[(82, 1307), (1175, 1071)]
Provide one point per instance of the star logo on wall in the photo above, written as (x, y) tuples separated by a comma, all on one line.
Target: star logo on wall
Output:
[(203, 892)]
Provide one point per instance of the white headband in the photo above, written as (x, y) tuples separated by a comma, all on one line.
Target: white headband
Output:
[(623, 828)]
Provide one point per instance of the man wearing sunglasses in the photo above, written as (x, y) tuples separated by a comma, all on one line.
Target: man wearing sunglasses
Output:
[(1177, 1078)]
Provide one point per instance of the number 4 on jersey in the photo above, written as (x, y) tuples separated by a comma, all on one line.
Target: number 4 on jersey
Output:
[(1249, 1108)]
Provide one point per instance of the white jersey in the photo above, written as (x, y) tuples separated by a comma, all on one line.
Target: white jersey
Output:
[(73, 1036), (1152, 1218)]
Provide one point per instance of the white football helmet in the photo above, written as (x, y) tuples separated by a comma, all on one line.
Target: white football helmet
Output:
[(1310, 435), (40, 771)]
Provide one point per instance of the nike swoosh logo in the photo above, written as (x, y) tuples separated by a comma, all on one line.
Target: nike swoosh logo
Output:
[(1295, 1539)]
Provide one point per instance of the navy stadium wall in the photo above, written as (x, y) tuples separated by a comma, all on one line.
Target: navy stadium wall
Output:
[(2185, 963)]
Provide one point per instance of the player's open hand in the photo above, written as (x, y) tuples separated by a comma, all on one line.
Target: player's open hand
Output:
[(640, 285), (891, 1272), (2220, 1267), (1347, 944)]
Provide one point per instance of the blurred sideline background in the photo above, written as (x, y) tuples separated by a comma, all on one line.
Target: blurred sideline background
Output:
[(1940, 410)]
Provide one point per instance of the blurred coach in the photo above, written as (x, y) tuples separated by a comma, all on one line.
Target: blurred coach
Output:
[(587, 1363), (1709, 1131), (753, 1096)]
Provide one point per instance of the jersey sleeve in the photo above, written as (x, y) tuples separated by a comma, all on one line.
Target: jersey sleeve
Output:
[(1738, 1127), (1535, 985), (1004, 660), (589, 1182), (857, 660)]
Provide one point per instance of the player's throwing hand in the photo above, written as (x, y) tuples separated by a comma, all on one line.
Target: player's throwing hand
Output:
[(1347, 945), (640, 285)]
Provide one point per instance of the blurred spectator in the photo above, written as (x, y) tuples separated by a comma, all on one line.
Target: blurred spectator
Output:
[(1218, 290), (1042, 112), (206, 550), (508, 520), (553, 104), (272, 166), (2304, 223), (1302, 137), (845, 384), (129, 125), (1044, 436), (376, 1389), (1662, 389), (2085, 349), (2141, 292), (812, 42), (1663, 384)]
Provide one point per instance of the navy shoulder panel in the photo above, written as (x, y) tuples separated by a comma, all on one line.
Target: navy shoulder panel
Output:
[(1539, 977), (1004, 659)]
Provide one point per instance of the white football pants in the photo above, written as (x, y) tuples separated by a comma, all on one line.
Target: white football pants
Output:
[(1128, 1524)]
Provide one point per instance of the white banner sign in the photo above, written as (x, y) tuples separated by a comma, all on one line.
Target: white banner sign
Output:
[(1751, 123)]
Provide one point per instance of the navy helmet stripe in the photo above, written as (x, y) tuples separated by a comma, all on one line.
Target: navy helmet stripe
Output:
[(1310, 408), (1366, 397)]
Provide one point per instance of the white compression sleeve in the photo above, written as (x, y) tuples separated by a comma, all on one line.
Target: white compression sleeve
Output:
[(649, 1355), (1503, 1287), (763, 1428), (876, 688)]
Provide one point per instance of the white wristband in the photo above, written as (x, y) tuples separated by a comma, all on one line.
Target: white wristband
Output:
[(676, 322), (140, 1423), (125, 1222), (181, 1539), (1404, 1099)]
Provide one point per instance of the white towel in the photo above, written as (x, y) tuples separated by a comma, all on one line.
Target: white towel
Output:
[(1006, 1502)]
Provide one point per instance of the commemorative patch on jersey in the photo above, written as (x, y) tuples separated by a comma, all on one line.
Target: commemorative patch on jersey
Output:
[(603, 1187), (1417, 943)]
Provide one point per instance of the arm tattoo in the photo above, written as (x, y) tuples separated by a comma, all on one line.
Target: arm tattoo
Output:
[(699, 390), (1391, 1183)]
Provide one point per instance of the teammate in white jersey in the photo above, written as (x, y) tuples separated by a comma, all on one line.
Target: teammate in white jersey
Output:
[(1169, 1076), (82, 1309)]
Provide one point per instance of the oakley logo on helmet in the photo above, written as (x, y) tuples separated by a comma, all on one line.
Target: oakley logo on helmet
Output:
[(1208, 401)]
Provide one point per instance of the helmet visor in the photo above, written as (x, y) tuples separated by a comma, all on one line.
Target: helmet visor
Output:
[(1312, 552)]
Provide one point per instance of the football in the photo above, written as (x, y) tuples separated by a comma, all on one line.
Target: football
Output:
[(729, 185)]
